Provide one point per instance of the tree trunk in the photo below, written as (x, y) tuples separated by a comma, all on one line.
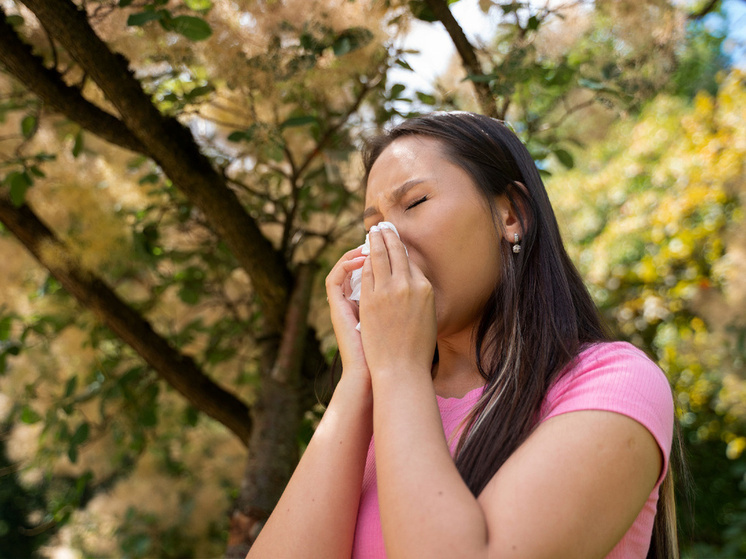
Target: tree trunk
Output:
[(277, 414)]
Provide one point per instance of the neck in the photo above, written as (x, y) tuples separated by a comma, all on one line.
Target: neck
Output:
[(456, 371)]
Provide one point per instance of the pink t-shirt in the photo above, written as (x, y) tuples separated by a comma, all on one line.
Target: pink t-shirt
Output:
[(612, 376)]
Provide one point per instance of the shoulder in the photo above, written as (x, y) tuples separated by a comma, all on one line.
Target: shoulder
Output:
[(616, 377)]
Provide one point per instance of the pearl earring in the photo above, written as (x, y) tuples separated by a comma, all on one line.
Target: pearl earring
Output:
[(517, 245)]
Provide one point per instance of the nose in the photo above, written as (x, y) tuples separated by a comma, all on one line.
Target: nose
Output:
[(389, 225)]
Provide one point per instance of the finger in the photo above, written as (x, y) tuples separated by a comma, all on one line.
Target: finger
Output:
[(379, 257), (368, 281), (352, 267), (396, 252), (338, 275), (354, 264)]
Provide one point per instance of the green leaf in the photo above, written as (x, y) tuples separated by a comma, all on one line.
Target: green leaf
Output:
[(565, 158), (125, 3), (403, 64), (5, 324), (241, 135), (189, 296), (218, 355), (191, 416), (199, 5), (81, 434), (70, 386), (43, 156), (29, 416), (148, 417), (14, 20), (351, 39), (140, 19), (422, 11), (72, 453), (426, 98), (560, 76), (199, 91), (28, 126), (19, 182), (191, 27), (397, 89), (533, 23), (36, 171), (299, 121), (78, 145), (342, 46), (150, 178)]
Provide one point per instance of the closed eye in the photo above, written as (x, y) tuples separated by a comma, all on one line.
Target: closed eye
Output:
[(417, 202)]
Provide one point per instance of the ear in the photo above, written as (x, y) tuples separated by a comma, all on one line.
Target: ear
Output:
[(512, 214)]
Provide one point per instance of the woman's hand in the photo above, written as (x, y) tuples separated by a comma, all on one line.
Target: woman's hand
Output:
[(344, 313), (397, 309)]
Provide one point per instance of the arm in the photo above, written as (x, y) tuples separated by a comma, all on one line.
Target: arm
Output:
[(571, 490), (315, 517)]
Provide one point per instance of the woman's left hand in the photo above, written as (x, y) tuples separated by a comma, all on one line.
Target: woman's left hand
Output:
[(397, 309)]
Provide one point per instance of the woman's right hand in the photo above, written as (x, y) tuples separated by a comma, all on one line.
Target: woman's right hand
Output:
[(345, 316)]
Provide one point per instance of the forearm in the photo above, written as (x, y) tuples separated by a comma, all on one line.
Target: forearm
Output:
[(316, 514), (426, 508)]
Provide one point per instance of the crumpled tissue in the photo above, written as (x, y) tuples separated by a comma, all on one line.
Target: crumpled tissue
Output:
[(356, 278)]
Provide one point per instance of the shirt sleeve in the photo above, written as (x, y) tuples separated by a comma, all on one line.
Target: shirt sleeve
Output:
[(617, 377)]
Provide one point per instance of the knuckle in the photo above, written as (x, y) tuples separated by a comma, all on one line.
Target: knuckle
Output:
[(401, 289)]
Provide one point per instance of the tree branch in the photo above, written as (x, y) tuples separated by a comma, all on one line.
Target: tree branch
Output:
[(172, 146), (48, 85), (704, 10), (179, 370), (467, 53)]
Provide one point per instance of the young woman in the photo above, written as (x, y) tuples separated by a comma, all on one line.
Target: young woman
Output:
[(482, 412)]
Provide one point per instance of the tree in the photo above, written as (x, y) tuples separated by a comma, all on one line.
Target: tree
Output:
[(190, 192), (184, 173)]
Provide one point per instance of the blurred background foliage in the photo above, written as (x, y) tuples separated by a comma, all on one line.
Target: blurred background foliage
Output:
[(634, 111)]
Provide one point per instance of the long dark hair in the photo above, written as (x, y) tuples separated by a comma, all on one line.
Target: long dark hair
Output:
[(540, 314)]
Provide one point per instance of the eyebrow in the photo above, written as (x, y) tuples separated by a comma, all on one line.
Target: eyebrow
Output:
[(398, 193)]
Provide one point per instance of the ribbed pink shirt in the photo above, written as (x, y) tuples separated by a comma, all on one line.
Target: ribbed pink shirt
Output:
[(612, 376)]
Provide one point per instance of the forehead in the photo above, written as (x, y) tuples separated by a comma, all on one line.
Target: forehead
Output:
[(402, 160)]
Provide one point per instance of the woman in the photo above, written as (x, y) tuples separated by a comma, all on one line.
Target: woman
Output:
[(477, 339)]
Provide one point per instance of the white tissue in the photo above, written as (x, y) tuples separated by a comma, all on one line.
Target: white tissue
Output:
[(356, 278)]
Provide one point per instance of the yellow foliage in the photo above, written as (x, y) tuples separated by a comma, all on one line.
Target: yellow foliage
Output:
[(653, 218)]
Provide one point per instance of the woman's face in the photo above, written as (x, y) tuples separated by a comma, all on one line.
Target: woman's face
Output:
[(445, 223)]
